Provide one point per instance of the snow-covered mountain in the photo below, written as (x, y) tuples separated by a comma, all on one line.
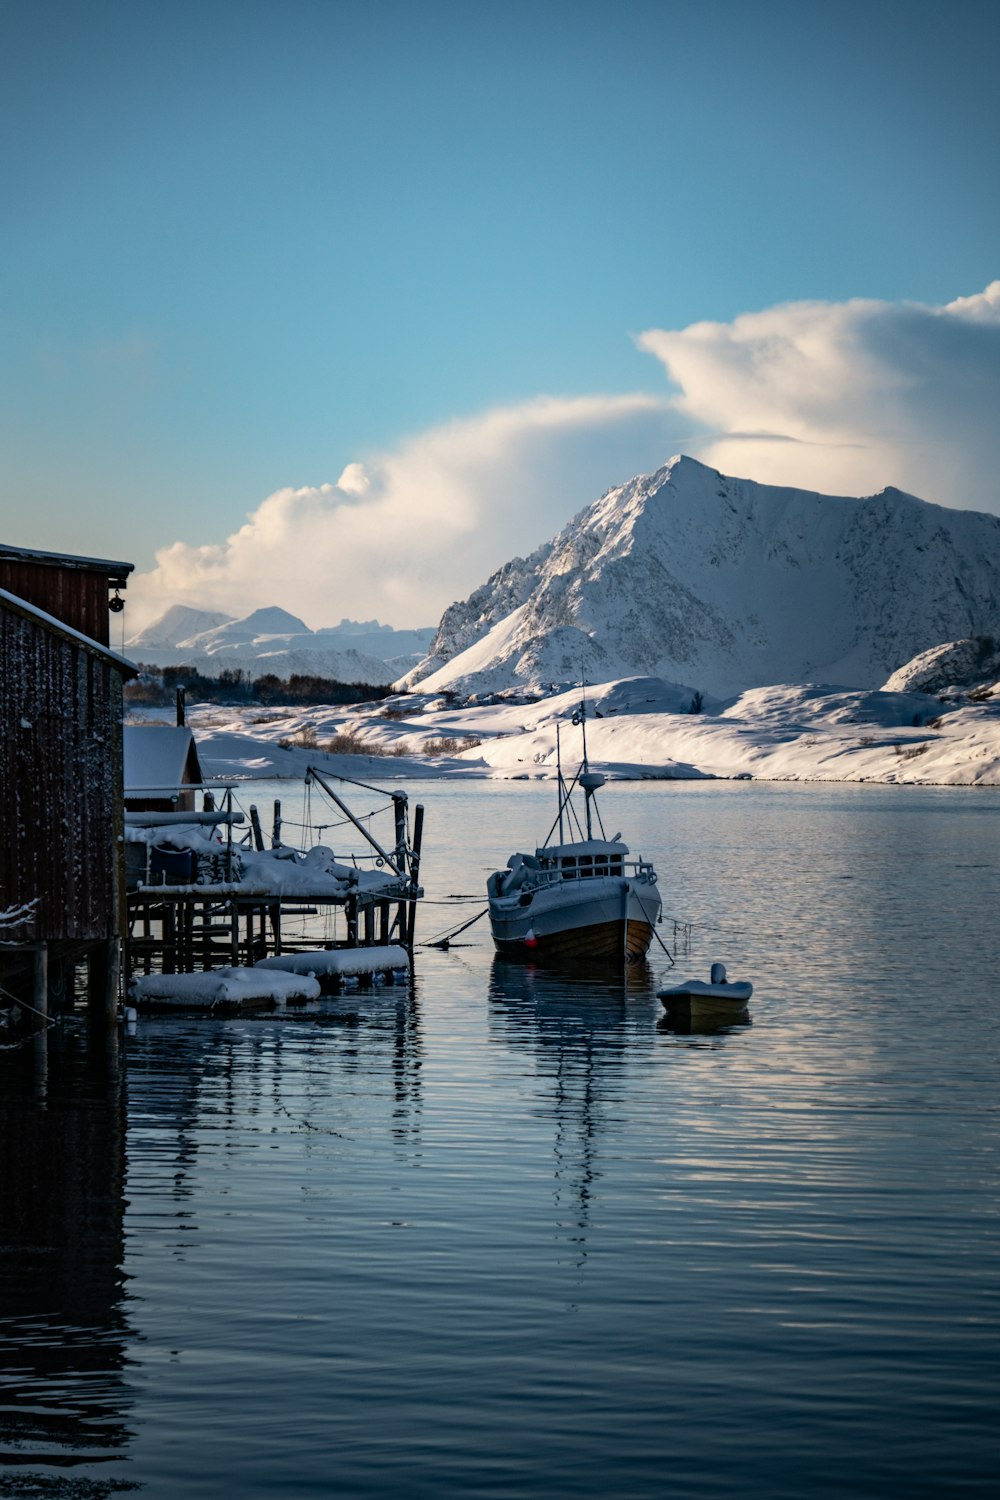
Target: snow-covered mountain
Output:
[(178, 624), (272, 640), (725, 584), (256, 628)]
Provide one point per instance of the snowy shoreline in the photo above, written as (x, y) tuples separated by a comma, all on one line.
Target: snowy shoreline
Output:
[(638, 729)]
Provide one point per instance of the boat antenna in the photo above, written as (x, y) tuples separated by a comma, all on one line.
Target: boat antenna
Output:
[(580, 717)]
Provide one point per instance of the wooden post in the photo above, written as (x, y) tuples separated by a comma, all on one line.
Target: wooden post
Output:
[(103, 967), (399, 811), (40, 988), (168, 930), (418, 834)]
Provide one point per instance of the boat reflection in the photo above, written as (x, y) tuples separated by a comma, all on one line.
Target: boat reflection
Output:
[(581, 1033)]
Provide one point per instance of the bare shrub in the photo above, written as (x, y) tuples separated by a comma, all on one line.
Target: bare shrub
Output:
[(444, 746), (351, 744), (302, 739), (447, 745)]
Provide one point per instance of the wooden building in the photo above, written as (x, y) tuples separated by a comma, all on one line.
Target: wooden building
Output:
[(62, 892)]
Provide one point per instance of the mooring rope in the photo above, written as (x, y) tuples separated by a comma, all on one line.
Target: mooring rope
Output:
[(443, 940), (50, 1021)]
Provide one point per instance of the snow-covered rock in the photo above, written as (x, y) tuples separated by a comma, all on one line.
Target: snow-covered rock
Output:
[(958, 666), (725, 584)]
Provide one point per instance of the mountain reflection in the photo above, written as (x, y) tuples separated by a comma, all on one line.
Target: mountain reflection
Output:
[(63, 1330)]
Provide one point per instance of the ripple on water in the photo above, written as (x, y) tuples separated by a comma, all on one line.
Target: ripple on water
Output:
[(505, 1234)]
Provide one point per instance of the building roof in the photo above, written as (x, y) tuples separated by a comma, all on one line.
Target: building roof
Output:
[(159, 759), (117, 572), (58, 627)]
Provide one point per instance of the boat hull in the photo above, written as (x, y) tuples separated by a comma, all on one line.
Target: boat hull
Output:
[(602, 920), (699, 1013), (609, 942), (713, 1004)]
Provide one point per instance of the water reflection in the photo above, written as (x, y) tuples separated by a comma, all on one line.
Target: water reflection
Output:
[(576, 1027), (63, 1329), (195, 1078)]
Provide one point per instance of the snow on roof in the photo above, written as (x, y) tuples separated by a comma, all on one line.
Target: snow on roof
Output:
[(157, 757), (59, 627)]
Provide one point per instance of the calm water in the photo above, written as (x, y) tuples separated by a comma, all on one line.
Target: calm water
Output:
[(507, 1236)]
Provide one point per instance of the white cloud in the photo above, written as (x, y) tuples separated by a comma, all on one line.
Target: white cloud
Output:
[(840, 397), (402, 535), (848, 397)]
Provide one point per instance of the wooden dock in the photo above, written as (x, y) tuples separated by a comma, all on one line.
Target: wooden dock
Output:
[(233, 904)]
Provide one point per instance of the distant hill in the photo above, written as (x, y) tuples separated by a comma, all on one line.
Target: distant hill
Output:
[(725, 584), (272, 640)]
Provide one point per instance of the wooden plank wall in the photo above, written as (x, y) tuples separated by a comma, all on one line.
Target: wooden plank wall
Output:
[(76, 596), (60, 783)]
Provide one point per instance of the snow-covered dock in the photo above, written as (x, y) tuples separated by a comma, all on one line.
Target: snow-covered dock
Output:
[(222, 990), (331, 966)]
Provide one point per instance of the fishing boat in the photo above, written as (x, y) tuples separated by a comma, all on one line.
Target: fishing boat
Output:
[(579, 898)]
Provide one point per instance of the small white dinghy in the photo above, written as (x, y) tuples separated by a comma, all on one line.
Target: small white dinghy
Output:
[(720, 997)]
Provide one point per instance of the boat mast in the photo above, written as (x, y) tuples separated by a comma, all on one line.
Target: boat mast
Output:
[(559, 781), (588, 791)]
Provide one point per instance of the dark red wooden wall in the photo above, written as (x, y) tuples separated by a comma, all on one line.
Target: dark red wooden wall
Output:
[(60, 780), (73, 590)]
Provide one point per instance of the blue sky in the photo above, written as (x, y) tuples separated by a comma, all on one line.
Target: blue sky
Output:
[(249, 247)]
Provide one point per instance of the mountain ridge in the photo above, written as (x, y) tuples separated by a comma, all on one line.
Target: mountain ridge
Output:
[(270, 639), (725, 584)]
